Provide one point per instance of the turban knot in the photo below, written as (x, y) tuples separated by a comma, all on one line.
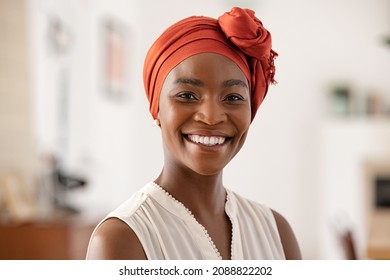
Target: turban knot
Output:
[(237, 34)]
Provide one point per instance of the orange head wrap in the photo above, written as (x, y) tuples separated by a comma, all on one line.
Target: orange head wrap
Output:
[(238, 35)]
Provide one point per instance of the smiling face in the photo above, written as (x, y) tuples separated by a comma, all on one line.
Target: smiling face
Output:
[(205, 113)]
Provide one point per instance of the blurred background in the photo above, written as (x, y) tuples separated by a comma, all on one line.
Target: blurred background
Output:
[(76, 137)]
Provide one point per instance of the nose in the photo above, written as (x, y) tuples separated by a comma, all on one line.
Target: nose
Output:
[(210, 112)]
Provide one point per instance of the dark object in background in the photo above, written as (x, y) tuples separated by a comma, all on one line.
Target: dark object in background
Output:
[(63, 183), (382, 192), (348, 245), (341, 101)]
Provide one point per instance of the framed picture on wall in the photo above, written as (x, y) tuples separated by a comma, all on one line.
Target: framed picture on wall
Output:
[(115, 54)]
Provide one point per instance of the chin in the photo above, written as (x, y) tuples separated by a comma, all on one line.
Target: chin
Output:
[(208, 169)]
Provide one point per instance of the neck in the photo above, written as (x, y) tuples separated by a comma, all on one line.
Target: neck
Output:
[(201, 194)]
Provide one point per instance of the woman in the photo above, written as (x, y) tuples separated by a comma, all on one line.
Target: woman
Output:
[(205, 79)]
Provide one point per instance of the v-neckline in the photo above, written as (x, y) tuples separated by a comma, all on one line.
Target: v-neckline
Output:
[(187, 215)]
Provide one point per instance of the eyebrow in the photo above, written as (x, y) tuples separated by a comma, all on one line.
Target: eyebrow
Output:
[(199, 83), (188, 81), (234, 82)]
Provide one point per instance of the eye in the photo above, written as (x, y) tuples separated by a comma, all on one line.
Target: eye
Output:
[(234, 98), (186, 96)]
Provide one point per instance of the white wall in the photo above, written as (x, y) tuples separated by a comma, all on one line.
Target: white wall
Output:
[(352, 153), (319, 42), (100, 138)]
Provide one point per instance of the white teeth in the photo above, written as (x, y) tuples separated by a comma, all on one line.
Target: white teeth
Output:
[(207, 140)]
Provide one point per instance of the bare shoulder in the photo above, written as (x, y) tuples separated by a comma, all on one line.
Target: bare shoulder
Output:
[(115, 240), (287, 236)]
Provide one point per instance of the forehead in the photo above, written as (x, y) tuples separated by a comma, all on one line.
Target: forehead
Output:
[(206, 66)]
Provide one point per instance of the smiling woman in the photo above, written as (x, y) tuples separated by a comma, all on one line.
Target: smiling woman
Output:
[(200, 104), (205, 79)]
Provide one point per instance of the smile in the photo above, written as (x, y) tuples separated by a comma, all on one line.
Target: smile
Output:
[(207, 140)]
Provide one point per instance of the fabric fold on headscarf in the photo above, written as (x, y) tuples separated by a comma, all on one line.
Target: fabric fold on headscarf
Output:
[(237, 34)]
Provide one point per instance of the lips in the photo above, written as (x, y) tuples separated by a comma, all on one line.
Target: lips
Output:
[(207, 140)]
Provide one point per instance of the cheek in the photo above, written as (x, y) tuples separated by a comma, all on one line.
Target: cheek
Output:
[(165, 112), (169, 115), (242, 119), (171, 120)]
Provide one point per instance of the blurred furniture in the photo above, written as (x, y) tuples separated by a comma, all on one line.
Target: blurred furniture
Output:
[(378, 245), (59, 239)]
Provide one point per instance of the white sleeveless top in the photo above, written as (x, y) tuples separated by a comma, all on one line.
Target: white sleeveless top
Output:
[(168, 230)]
